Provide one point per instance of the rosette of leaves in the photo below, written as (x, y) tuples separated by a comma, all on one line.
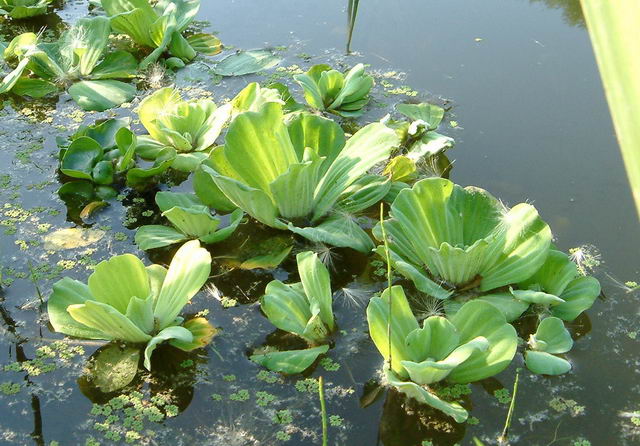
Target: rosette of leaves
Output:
[(22, 9), (189, 218), (558, 288), (126, 301), (160, 26), (97, 157), (550, 339), (295, 175), (445, 237), (329, 90), (77, 62), (304, 309), (422, 148), (474, 344)]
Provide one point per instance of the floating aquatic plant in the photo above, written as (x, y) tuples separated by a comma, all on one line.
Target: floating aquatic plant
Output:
[(190, 220), (330, 90), (78, 61), (474, 344), (550, 339), (463, 238), (126, 301), (292, 175), (303, 308), (22, 9), (160, 25)]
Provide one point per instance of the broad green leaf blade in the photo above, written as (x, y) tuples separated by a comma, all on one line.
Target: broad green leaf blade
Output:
[(429, 113), (156, 236), (252, 98), (68, 292), (116, 65), (180, 334), (167, 200), (80, 158), (104, 132), (204, 43), (421, 281), (412, 390), (127, 142), (157, 274), (34, 88), (554, 275), (555, 337), (202, 331), (612, 28), (221, 234), (246, 62), (113, 367), (511, 307), (117, 280), (258, 148), (140, 312), (188, 272), (477, 318), (101, 95), (267, 261), (88, 39), (536, 297), (403, 322), (291, 361), (369, 146), (286, 307), (195, 222), (337, 230), (102, 172), (363, 194), (544, 363), (316, 282), (134, 18), (108, 320), (209, 193), (138, 176), (254, 202), (579, 296), (12, 78)]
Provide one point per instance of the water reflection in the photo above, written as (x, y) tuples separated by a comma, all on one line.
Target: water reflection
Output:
[(571, 10)]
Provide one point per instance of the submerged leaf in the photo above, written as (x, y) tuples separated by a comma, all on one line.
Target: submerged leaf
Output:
[(246, 62), (113, 367), (290, 361)]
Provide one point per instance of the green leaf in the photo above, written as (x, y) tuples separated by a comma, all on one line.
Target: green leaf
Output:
[(337, 230), (287, 307), (86, 40), (477, 318), (402, 322), (138, 176), (117, 280), (11, 79), (401, 168), (369, 146), (412, 390), (156, 236), (579, 296), (511, 307), (323, 135), (246, 62), (80, 158), (103, 132), (68, 292), (132, 17), (103, 172), (544, 363), (116, 65), (180, 334), (167, 200), (209, 193), (316, 282), (554, 275), (267, 261), (108, 320), (195, 222), (101, 95), (364, 193), (429, 113), (188, 272), (221, 234), (127, 143), (35, 88), (290, 361), (551, 337), (113, 367), (140, 312), (536, 297)]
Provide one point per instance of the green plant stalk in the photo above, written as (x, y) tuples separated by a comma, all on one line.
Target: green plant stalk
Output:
[(504, 438), (388, 258), (352, 11), (613, 26), (323, 411)]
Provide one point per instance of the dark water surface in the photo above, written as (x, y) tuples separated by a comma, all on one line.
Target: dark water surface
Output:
[(532, 125)]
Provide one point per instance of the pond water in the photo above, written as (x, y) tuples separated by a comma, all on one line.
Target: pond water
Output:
[(530, 124)]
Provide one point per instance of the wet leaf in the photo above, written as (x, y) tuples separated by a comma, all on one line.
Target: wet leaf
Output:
[(246, 62), (70, 238), (114, 367)]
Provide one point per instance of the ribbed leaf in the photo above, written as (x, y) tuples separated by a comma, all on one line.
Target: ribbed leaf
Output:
[(290, 361), (554, 275), (579, 296), (101, 95), (117, 280), (140, 312), (108, 320), (180, 334), (157, 236), (116, 65), (68, 292), (188, 271), (317, 285), (551, 337), (235, 218), (544, 363), (429, 113), (337, 230), (80, 158), (195, 222), (202, 331), (286, 306)]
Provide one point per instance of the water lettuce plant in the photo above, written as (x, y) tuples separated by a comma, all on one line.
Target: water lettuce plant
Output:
[(293, 174), (77, 62), (550, 339), (303, 308), (190, 219), (160, 26), (330, 90), (22, 9), (474, 344), (126, 301), (443, 234)]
